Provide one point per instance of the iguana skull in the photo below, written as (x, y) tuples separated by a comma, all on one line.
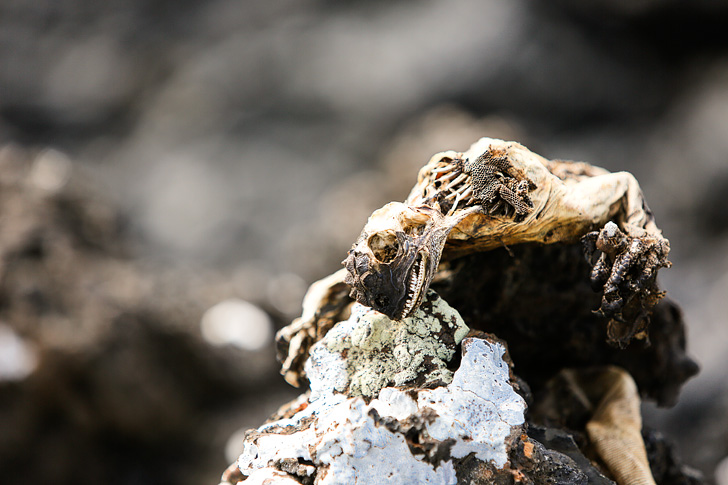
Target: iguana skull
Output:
[(392, 263)]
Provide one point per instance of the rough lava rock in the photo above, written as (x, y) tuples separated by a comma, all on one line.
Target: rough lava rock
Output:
[(372, 417)]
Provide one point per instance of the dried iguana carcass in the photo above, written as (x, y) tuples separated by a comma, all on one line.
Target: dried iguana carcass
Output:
[(495, 194)]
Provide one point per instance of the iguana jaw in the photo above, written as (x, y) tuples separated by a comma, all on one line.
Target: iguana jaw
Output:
[(419, 279), (392, 263)]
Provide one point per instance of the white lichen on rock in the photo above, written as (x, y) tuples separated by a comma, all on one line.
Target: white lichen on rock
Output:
[(479, 408), (343, 439), (369, 351), (353, 447)]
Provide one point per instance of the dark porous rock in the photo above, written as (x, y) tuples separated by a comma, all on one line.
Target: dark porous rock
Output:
[(538, 298), (559, 441), (666, 466)]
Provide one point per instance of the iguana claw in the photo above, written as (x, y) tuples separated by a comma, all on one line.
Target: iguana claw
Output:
[(626, 272)]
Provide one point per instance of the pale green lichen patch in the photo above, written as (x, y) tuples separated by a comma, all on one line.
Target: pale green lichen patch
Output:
[(380, 352)]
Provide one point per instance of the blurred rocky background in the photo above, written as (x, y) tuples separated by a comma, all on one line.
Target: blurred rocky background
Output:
[(173, 175)]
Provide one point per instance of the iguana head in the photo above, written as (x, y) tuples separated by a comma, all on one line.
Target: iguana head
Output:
[(392, 263)]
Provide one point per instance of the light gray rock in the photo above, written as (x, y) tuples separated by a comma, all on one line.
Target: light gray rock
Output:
[(367, 421)]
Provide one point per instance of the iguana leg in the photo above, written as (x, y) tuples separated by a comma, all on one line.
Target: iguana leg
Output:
[(518, 198), (632, 250), (626, 272), (496, 186), (326, 303)]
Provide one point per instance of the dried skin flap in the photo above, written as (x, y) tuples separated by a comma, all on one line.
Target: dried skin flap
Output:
[(615, 428)]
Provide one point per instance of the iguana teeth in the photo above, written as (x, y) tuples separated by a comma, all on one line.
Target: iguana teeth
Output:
[(419, 270)]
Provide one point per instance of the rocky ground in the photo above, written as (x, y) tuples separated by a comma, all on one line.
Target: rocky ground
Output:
[(204, 151)]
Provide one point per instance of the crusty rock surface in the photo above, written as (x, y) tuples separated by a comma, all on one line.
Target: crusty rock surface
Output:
[(384, 406), (362, 423), (369, 351)]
